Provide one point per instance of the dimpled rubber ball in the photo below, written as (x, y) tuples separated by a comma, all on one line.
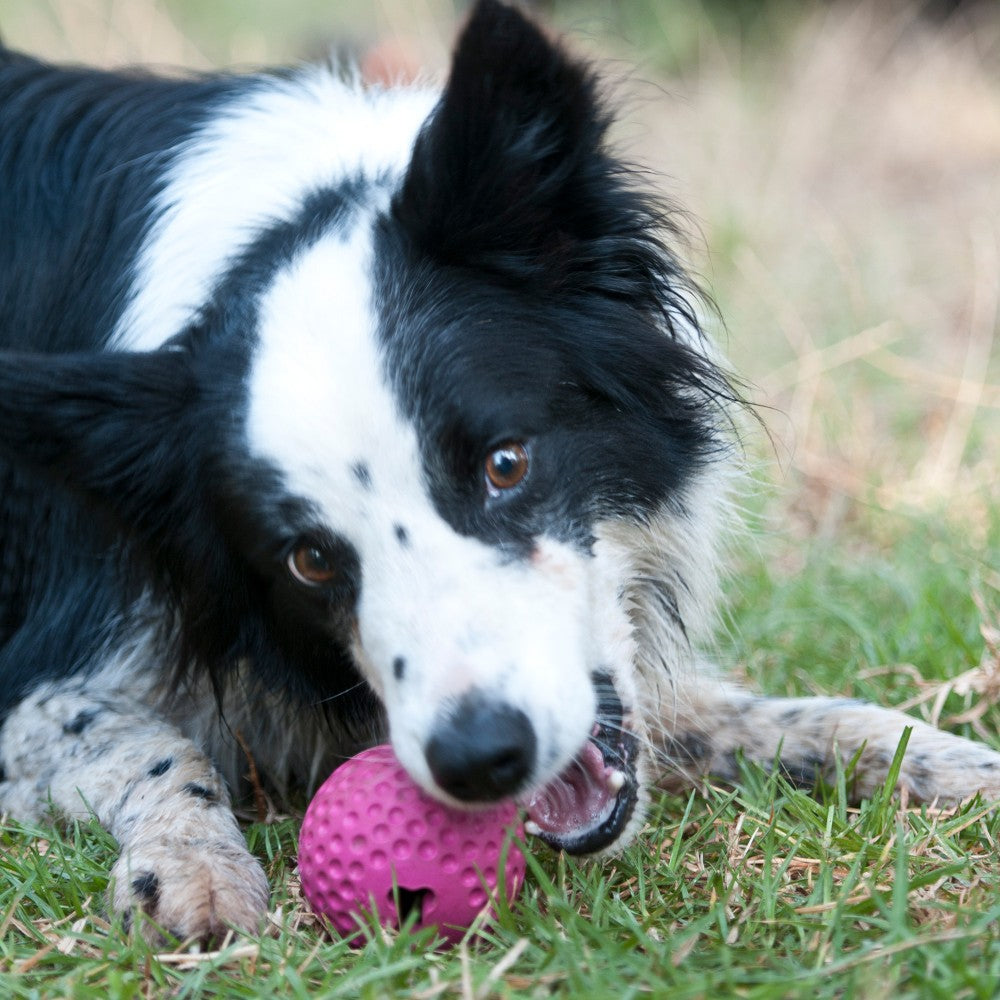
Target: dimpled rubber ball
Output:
[(371, 836)]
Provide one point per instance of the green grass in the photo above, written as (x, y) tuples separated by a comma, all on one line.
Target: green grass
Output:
[(842, 168), (894, 590), (765, 891)]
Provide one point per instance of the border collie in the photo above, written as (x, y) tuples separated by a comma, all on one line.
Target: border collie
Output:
[(332, 414)]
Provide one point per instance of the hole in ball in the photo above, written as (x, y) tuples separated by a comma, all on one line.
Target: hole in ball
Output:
[(411, 903)]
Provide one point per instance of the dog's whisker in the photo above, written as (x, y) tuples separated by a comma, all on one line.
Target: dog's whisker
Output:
[(359, 686), (620, 729)]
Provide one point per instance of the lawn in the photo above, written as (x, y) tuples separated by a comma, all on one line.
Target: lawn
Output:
[(840, 163)]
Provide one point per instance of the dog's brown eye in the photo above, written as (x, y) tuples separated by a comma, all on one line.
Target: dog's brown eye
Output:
[(507, 466), (309, 564)]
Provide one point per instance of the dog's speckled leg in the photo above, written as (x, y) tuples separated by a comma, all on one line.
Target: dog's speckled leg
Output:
[(183, 860), (706, 732)]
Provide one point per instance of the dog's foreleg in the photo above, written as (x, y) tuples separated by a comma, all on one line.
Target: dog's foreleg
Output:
[(710, 727), (184, 861)]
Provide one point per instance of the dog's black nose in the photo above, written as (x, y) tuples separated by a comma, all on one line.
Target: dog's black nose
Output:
[(482, 750)]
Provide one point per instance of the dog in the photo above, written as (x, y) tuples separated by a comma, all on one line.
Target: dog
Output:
[(333, 414)]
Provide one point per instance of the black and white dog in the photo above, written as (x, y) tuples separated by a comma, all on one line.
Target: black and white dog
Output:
[(329, 414)]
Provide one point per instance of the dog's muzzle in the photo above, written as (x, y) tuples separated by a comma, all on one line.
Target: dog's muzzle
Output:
[(483, 750), (587, 807)]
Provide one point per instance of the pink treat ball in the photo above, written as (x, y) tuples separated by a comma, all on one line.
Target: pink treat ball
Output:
[(370, 833)]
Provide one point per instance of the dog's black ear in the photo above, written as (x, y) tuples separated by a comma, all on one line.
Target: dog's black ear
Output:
[(510, 171), (112, 426)]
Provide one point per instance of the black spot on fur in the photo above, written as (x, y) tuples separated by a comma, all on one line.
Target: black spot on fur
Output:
[(730, 769), (81, 721), (161, 767), (398, 668), (402, 536), (691, 747), (790, 717), (363, 474), (803, 773), (98, 750), (200, 792), (918, 769), (126, 794), (147, 887)]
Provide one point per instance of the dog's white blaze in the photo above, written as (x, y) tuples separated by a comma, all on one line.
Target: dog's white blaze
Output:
[(250, 166), (460, 616)]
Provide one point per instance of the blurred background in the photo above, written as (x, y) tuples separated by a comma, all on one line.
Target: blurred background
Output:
[(839, 167)]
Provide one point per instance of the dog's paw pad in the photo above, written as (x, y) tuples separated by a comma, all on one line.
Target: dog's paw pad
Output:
[(199, 891)]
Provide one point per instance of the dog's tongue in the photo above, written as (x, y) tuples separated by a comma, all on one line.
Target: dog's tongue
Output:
[(580, 800)]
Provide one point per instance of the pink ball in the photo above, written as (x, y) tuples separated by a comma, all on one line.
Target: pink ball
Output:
[(370, 833)]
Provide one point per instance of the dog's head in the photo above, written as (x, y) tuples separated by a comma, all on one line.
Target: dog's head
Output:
[(444, 430)]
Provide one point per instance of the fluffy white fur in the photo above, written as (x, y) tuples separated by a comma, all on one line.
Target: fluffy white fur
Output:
[(236, 172)]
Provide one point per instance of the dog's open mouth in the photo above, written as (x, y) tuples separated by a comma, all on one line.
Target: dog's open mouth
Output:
[(586, 808)]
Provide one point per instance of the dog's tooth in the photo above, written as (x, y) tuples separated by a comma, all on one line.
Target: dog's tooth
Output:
[(532, 828), (616, 780)]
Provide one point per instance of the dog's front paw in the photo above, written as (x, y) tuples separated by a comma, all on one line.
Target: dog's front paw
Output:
[(191, 890)]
